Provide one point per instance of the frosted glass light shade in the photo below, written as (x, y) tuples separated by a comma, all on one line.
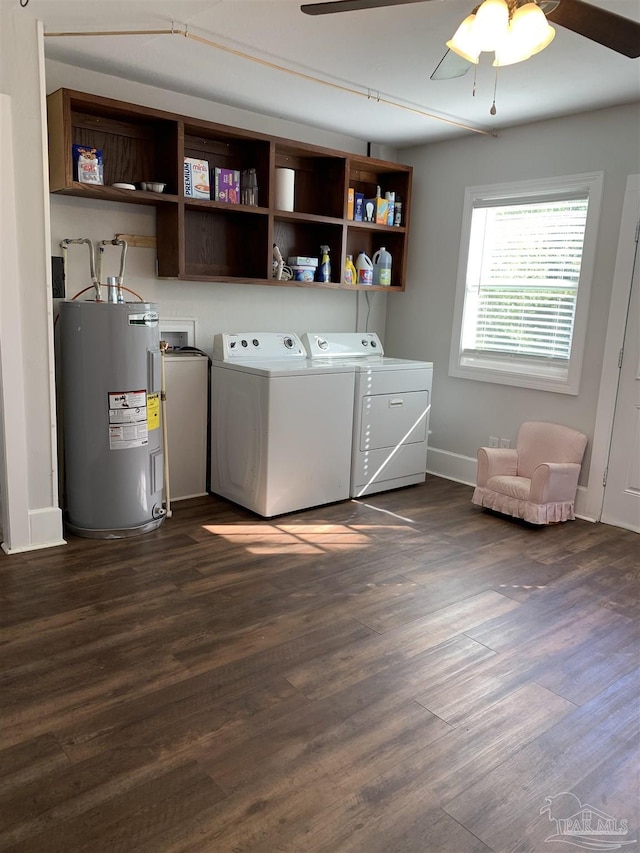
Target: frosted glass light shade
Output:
[(528, 33), (530, 29), (491, 23), (464, 43)]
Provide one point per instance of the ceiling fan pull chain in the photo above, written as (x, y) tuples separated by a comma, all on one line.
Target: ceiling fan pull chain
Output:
[(475, 77), (493, 110)]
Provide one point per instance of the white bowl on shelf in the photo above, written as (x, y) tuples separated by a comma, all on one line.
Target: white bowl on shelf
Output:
[(124, 186)]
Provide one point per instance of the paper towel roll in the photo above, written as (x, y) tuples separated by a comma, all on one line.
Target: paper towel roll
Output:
[(285, 181)]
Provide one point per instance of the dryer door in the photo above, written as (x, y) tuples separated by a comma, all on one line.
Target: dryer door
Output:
[(392, 419), (391, 449)]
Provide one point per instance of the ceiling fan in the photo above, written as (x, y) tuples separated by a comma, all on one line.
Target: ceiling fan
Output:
[(606, 28)]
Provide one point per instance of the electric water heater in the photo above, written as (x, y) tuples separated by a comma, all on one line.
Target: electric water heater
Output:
[(111, 380)]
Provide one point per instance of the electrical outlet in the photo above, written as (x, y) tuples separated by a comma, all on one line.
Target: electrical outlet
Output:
[(505, 442), (57, 277), (494, 441)]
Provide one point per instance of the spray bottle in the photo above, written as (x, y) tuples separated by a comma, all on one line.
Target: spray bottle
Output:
[(324, 268)]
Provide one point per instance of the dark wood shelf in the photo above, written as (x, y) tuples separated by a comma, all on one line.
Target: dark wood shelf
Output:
[(106, 193), (207, 240)]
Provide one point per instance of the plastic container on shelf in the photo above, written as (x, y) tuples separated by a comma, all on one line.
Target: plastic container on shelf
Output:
[(303, 273), (324, 267), (364, 269), (382, 267), (397, 211), (350, 275)]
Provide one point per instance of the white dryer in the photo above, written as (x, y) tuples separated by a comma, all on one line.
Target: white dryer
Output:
[(392, 401), (281, 425)]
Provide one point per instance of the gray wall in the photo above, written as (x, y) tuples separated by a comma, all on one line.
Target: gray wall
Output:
[(419, 323)]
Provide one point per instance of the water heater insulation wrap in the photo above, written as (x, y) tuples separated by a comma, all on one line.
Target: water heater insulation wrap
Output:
[(111, 381)]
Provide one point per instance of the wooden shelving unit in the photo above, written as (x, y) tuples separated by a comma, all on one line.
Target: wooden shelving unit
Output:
[(204, 240)]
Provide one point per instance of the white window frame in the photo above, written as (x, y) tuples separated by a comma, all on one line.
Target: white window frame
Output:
[(528, 372)]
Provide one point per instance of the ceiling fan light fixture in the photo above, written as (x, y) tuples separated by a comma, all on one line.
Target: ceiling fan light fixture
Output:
[(464, 42), (531, 29), (510, 52), (491, 24)]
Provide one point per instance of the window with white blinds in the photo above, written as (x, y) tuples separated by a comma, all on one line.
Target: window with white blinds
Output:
[(524, 277)]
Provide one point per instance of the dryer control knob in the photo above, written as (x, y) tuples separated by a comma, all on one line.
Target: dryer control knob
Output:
[(288, 342), (322, 344)]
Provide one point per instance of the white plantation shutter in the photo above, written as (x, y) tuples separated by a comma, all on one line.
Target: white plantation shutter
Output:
[(522, 277)]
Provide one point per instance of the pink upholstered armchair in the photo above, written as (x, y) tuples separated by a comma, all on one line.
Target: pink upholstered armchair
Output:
[(536, 481)]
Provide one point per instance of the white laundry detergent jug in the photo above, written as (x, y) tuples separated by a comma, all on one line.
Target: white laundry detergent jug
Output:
[(364, 269)]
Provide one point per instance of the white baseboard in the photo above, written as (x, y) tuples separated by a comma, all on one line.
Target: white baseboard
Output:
[(45, 531), (462, 469), (451, 466)]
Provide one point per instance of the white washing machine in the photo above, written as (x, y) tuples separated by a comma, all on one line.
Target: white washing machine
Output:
[(392, 401), (281, 425)]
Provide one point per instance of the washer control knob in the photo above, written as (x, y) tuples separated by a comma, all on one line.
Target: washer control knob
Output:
[(365, 342), (322, 344), (244, 343), (373, 343), (255, 342), (288, 342)]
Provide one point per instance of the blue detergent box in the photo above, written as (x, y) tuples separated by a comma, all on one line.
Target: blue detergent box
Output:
[(358, 207)]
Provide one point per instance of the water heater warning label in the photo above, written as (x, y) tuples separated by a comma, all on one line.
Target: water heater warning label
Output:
[(153, 411), (128, 419)]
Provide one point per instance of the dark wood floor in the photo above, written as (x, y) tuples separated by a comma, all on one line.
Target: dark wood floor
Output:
[(409, 674)]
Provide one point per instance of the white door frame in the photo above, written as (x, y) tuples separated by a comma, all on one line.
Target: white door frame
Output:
[(618, 307)]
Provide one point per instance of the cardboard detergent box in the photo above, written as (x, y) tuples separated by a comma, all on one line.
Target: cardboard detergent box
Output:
[(358, 207), (226, 185), (196, 178), (351, 195), (87, 164), (376, 210)]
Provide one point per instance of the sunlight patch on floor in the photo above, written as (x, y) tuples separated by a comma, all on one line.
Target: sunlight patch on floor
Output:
[(271, 539)]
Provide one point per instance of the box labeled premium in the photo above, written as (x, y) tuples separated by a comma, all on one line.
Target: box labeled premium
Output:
[(196, 178), (226, 185)]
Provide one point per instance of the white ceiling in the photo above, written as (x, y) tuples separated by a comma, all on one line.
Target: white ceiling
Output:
[(337, 71)]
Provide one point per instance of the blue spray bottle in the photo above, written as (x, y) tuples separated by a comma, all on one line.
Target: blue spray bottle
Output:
[(324, 269)]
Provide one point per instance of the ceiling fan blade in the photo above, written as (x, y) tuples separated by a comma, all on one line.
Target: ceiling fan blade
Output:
[(450, 66), (599, 25), (351, 5)]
